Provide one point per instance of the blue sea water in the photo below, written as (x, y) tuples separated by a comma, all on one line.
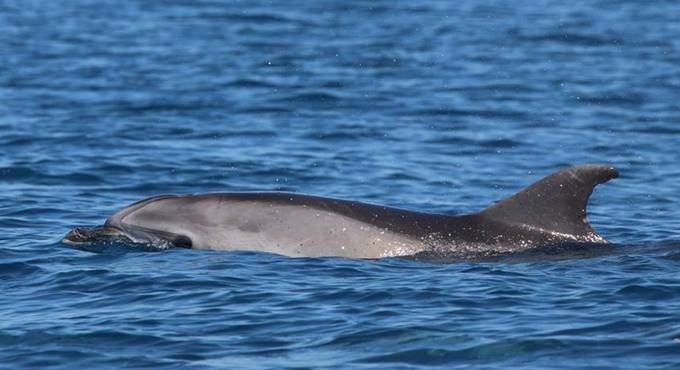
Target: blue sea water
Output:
[(438, 106)]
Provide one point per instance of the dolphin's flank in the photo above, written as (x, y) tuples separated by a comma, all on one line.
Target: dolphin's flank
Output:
[(551, 211)]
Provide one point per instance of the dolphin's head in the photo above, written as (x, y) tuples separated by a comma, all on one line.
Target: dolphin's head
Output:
[(130, 226), (95, 235), (129, 234)]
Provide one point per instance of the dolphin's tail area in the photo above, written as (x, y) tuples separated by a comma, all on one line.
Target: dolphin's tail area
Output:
[(556, 204)]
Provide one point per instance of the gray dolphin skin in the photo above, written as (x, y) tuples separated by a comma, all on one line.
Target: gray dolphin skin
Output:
[(551, 211)]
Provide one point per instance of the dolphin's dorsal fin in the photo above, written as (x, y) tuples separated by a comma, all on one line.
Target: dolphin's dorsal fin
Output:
[(556, 203)]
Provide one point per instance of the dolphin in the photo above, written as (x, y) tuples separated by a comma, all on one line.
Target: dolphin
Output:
[(551, 211)]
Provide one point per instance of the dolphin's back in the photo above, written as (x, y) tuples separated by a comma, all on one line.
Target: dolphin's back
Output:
[(290, 224)]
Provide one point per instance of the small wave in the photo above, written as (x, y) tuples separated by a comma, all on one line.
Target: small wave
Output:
[(500, 143), (244, 18), (499, 114), (264, 110), (651, 292), (361, 337), (312, 97), (574, 39), (497, 87), (653, 129), (8, 174), (11, 270), (27, 174), (249, 83), (613, 99), (340, 135), (481, 352)]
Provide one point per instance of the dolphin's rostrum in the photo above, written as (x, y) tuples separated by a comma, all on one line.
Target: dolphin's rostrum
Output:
[(551, 211)]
